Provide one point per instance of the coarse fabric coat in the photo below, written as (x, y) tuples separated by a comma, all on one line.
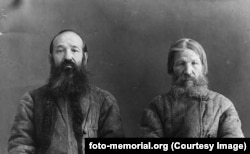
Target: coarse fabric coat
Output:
[(211, 116), (33, 134)]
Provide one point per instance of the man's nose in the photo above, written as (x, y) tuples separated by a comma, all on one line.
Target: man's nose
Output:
[(68, 55), (188, 69)]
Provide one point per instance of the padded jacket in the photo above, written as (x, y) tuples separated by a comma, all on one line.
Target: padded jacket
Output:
[(205, 117), (101, 119)]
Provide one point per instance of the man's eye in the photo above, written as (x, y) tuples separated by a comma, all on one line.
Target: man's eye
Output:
[(180, 64), (194, 63), (59, 50), (75, 50)]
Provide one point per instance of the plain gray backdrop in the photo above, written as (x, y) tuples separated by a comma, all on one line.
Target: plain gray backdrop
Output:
[(128, 42)]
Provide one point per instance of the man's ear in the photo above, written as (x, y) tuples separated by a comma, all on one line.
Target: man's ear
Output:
[(85, 54)]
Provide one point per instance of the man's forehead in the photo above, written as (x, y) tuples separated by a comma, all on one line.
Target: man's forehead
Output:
[(68, 37), (187, 54)]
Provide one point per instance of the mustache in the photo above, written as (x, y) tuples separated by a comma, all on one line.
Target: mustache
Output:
[(185, 77), (66, 63), (180, 81)]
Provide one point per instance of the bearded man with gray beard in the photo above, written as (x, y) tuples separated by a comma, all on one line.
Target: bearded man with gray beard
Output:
[(55, 118), (190, 109)]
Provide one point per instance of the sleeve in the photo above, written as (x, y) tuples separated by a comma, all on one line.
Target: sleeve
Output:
[(151, 125), (21, 139), (230, 124), (110, 123)]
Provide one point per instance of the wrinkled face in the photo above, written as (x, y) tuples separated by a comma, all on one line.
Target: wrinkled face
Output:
[(187, 65), (67, 46)]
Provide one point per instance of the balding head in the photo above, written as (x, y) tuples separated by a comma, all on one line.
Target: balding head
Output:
[(65, 31)]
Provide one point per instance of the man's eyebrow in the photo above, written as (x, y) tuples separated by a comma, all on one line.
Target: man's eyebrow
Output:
[(74, 46), (59, 46), (179, 61)]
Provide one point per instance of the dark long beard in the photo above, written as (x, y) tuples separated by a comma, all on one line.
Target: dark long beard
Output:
[(67, 79), (190, 87), (71, 82)]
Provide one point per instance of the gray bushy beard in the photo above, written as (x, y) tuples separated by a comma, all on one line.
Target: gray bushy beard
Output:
[(65, 81), (197, 89)]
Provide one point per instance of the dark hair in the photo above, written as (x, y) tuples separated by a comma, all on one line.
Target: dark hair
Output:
[(84, 49), (186, 43)]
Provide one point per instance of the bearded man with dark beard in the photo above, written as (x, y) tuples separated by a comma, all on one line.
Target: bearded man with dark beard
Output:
[(55, 118), (190, 109)]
